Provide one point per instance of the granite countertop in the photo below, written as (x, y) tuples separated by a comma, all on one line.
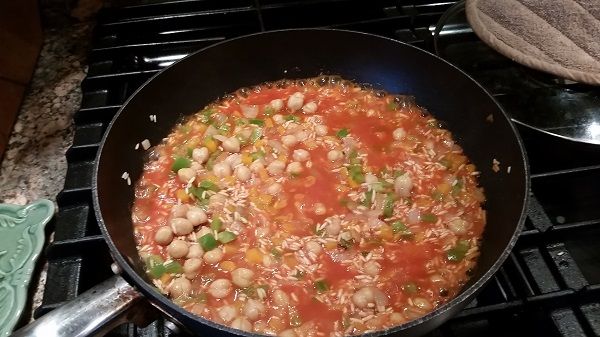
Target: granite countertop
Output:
[(34, 165)]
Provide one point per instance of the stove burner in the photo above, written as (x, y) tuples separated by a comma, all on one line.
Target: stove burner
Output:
[(545, 102), (549, 286)]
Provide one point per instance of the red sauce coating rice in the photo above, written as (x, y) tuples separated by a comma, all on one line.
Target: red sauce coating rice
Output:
[(309, 208)]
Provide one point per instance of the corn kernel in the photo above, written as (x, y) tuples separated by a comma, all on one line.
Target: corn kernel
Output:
[(290, 261), (269, 122), (166, 278), (246, 159), (419, 236), (182, 196), (444, 188), (227, 265), (253, 255), (210, 144), (329, 245), (386, 233), (263, 174), (230, 248), (212, 178)]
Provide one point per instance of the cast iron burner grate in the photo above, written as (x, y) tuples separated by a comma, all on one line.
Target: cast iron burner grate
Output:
[(549, 286)]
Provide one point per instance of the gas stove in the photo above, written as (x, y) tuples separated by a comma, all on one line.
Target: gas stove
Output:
[(550, 284)]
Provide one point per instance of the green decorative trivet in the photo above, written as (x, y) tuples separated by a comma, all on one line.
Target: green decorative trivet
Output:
[(21, 240)]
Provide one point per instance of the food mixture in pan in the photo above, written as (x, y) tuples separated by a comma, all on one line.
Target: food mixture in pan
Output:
[(309, 208)]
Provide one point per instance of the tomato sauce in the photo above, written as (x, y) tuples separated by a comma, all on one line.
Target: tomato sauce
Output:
[(312, 207)]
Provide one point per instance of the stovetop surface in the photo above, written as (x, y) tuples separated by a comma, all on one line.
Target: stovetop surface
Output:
[(550, 284)]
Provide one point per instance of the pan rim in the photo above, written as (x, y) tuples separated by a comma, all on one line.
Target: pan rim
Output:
[(153, 296)]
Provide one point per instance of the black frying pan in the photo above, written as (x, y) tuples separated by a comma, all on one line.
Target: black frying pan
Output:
[(185, 87)]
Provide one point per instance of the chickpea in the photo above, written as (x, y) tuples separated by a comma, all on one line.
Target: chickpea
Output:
[(372, 268), (178, 248), (295, 101), (195, 166), (198, 308), (274, 188), (196, 216), (281, 298), (222, 170), (320, 209), (231, 144), (370, 178), (289, 140), (275, 167), (436, 278), (242, 173), (380, 299), (244, 134), (321, 130), (180, 287), (459, 226), (397, 318), (334, 155), (219, 288), (288, 333), (266, 260), (203, 231), (310, 108), (362, 297), (346, 236), (422, 303), (186, 174), (233, 160), (294, 168), (178, 211), (191, 267), (301, 136), (249, 111), (257, 165), (163, 236), (200, 155), (214, 256), (216, 200), (366, 295), (227, 313), (241, 323), (242, 277), (181, 226), (278, 119), (253, 309), (276, 104), (399, 134), (334, 227), (314, 247), (402, 185), (301, 155), (195, 251)]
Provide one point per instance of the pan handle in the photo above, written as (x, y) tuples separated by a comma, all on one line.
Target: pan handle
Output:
[(93, 313)]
